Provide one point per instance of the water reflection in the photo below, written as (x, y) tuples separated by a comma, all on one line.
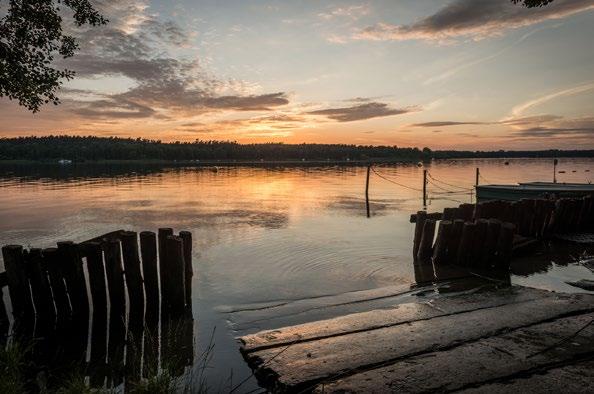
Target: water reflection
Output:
[(262, 236)]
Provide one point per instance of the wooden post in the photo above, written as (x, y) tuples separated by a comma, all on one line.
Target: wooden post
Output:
[(60, 294), (555, 162), (75, 280), (466, 211), (454, 243), (443, 241), (504, 246), (94, 255), (18, 284), (163, 233), (424, 188), (490, 248), (449, 214), (175, 275), (420, 223), (186, 237), (367, 190), (480, 236), (40, 288), (95, 268), (132, 273), (425, 247), (148, 250), (115, 280), (466, 244), (476, 178)]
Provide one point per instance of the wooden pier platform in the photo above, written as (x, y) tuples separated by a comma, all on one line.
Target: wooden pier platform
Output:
[(498, 340)]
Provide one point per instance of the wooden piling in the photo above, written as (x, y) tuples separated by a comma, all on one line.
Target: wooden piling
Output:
[(75, 280), (94, 255), (425, 246), (132, 273), (424, 188), (420, 223), (115, 280), (148, 250), (40, 289), (367, 191), (454, 242), (477, 251), (443, 241), (175, 275), (164, 287), (449, 214), (186, 237), (18, 284), (505, 246), (466, 211), (465, 248), (490, 244), (58, 286)]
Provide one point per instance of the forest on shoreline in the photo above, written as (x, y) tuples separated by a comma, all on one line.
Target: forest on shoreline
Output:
[(91, 148)]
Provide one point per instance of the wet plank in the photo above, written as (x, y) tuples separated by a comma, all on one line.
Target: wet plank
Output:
[(304, 364), (374, 319), (575, 378), (495, 359)]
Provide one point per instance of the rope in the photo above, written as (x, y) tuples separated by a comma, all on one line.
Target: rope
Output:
[(446, 191), (448, 184), (391, 181)]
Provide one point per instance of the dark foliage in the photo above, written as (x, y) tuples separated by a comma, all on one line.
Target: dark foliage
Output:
[(31, 35), (532, 3), (98, 148)]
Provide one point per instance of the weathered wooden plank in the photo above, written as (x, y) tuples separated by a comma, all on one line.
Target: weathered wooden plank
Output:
[(72, 271), (432, 216), (150, 271), (133, 277), (175, 269), (186, 236), (163, 233), (59, 292), (115, 280), (40, 288), (573, 378), (18, 283), (495, 358), (3, 279), (96, 270), (307, 363), (403, 313)]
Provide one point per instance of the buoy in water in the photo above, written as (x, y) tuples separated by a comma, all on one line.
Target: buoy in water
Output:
[(214, 169), (506, 163)]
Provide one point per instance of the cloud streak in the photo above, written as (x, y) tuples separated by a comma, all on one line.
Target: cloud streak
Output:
[(474, 19), (361, 112)]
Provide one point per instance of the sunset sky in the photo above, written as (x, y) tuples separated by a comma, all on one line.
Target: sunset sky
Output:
[(448, 74)]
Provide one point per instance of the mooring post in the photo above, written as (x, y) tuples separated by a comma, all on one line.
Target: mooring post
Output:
[(555, 162), (186, 237), (425, 188), (367, 190), (476, 178)]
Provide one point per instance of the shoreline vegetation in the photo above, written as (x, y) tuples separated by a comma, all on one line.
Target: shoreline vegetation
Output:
[(112, 150)]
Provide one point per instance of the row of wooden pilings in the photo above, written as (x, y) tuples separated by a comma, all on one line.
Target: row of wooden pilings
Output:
[(482, 235), (135, 281)]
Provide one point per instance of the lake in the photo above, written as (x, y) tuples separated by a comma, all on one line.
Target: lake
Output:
[(265, 236)]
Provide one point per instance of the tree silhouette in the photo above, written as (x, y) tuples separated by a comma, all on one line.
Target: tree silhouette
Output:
[(532, 3), (31, 35)]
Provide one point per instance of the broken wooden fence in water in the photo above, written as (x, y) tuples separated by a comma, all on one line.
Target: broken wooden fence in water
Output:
[(134, 282), (483, 235)]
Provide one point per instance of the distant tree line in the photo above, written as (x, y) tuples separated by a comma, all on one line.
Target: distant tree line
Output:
[(101, 148), (90, 148)]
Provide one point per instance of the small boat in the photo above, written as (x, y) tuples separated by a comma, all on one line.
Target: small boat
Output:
[(532, 190)]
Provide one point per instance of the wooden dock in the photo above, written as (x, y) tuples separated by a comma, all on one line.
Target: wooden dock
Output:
[(495, 340)]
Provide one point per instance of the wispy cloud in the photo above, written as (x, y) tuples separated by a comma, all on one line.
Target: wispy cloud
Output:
[(475, 19), (353, 12), (523, 107), (361, 112)]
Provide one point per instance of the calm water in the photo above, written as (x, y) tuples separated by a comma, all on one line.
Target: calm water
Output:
[(264, 236)]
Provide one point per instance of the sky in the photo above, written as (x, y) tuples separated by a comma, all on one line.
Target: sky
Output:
[(450, 74)]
